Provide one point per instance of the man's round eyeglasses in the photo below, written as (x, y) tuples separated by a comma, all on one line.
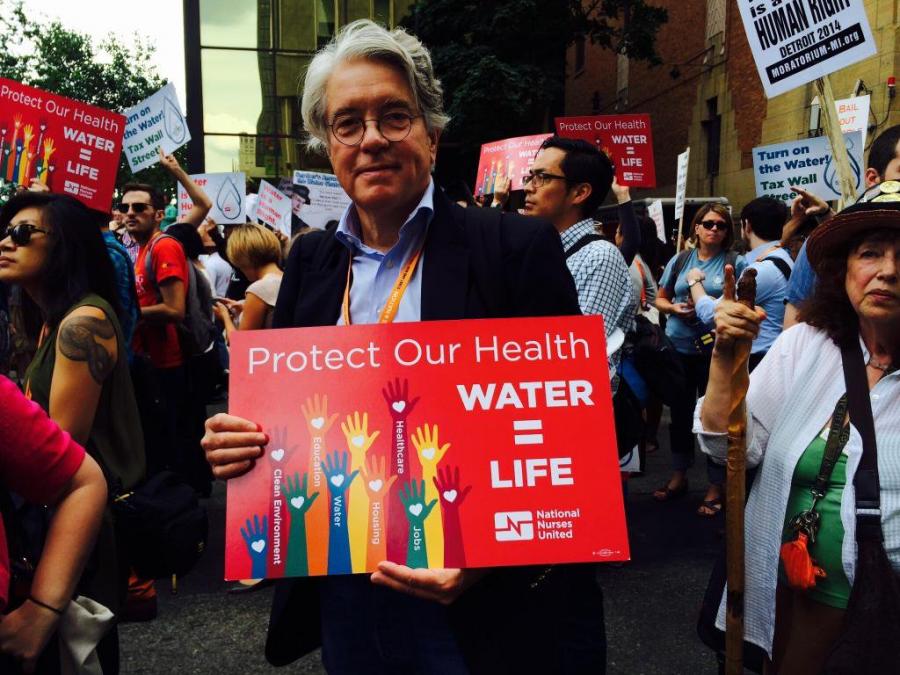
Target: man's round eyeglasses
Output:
[(541, 179), (393, 126)]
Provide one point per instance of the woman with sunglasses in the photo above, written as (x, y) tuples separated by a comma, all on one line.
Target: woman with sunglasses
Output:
[(712, 233), (51, 247)]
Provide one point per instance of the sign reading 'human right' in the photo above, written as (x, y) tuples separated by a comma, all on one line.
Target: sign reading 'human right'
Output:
[(797, 41)]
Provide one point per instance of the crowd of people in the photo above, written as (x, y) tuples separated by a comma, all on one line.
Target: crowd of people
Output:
[(118, 338)]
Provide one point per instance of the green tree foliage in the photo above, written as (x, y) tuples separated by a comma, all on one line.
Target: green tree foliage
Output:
[(502, 63), (114, 75)]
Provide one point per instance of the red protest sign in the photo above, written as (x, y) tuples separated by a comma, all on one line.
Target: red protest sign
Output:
[(511, 157), (433, 444), (67, 145), (626, 139)]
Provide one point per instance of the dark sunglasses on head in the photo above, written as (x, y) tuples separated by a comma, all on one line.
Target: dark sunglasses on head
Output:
[(137, 208), (720, 225), (20, 234)]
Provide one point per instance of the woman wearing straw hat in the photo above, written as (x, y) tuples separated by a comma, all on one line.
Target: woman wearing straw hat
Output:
[(802, 533)]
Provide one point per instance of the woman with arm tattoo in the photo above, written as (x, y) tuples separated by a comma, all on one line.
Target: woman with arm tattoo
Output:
[(51, 246)]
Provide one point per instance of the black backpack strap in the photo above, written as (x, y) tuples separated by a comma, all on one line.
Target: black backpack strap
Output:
[(148, 263), (581, 243), (680, 262), (781, 264), (866, 483)]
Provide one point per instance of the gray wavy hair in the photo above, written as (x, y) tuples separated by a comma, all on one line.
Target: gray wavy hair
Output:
[(365, 39)]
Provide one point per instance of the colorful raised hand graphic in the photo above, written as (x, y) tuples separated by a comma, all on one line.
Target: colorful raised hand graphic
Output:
[(278, 452), (23, 160), (256, 536), (377, 486), (412, 496), (359, 440), (336, 472), (9, 166), (49, 149), (430, 453), (299, 502), (452, 496), (396, 395), (318, 423)]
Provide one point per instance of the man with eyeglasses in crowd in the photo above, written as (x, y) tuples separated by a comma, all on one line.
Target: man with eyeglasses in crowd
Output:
[(162, 307), (371, 101), (569, 179)]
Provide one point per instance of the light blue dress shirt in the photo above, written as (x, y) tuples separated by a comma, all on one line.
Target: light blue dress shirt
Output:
[(375, 272), (771, 289)]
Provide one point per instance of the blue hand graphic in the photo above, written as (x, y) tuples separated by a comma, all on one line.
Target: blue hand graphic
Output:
[(257, 540), (339, 536)]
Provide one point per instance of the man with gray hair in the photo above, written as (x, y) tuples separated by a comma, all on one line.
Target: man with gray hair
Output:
[(372, 103)]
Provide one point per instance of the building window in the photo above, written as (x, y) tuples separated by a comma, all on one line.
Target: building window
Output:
[(579, 54), (712, 128), (715, 18)]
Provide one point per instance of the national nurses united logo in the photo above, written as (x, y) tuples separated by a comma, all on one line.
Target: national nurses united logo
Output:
[(514, 526)]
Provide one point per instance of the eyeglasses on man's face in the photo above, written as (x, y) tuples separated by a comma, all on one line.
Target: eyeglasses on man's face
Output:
[(540, 178), (393, 126), (20, 234)]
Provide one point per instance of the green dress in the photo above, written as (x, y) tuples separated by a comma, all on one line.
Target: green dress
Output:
[(833, 589), (115, 442)]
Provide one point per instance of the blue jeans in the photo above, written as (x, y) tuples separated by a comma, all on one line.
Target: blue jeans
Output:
[(373, 630)]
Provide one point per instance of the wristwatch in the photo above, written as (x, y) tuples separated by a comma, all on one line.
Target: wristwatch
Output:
[(695, 281)]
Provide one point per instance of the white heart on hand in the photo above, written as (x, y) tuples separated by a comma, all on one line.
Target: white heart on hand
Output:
[(258, 545), (297, 502), (337, 481), (451, 495), (375, 485), (399, 406), (277, 455), (358, 440), (428, 453), (415, 509), (317, 422)]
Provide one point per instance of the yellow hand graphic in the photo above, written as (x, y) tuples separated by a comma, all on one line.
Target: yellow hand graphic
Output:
[(356, 431), (28, 134), (431, 452), (48, 149)]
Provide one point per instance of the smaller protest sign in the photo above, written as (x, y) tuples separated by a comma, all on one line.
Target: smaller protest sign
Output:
[(155, 122), (273, 208), (853, 115), (808, 164), (316, 198), (655, 212), (228, 192), (681, 183), (626, 139), (67, 145), (798, 41), (511, 157)]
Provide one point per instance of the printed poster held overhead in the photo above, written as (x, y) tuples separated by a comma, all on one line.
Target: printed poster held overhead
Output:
[(155, 122), (808, 163), (316, 198), (798, 41), (476, 443), (626, 139), (511, 157), (228, 192), (69, 146), (272, 208)]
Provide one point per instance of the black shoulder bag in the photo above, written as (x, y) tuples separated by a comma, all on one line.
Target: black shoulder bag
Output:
[(870, 641)]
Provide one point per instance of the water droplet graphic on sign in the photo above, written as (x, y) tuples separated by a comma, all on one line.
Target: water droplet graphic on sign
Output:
[(173, 121), (830, 174), (229, 200)]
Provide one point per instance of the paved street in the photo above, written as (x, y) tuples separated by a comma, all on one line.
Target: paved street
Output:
[(651, 602)]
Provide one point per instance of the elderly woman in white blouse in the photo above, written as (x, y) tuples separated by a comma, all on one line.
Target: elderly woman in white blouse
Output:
[(796, 396)]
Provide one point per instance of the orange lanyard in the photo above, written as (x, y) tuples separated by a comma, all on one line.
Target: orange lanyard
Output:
[(391, 307)]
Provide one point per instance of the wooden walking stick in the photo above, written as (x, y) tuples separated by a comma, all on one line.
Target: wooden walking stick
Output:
[(735, 485)]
